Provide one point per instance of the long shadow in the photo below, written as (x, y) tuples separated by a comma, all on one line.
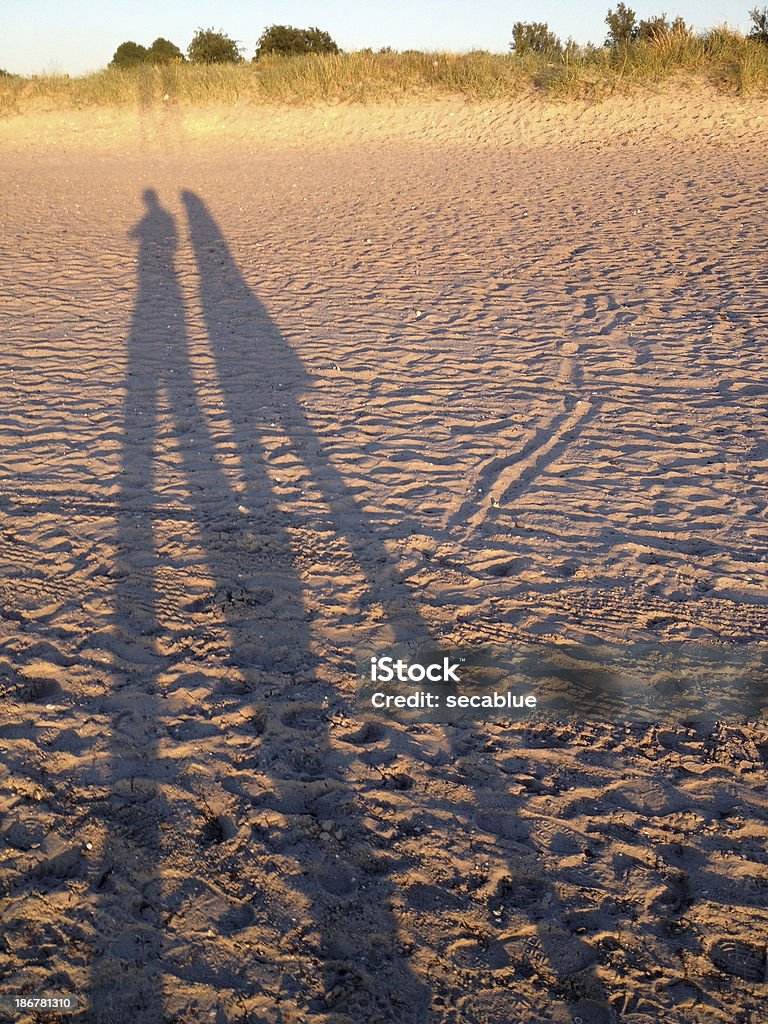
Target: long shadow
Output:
[(125, 978), (248, 345), (354, 946), (257, 353), (244, 538)]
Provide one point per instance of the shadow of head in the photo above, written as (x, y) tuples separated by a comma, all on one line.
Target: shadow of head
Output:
[(151, 199)]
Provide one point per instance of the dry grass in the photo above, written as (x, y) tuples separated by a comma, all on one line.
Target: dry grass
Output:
[(721, 57)]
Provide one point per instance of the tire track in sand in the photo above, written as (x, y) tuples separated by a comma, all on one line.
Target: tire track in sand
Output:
[(498, 479)]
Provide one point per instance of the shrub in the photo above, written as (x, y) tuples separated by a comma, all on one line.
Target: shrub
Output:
[(653, 30), (128, 55), (211, 47), (534, 37), (759, 30), (162, 51), (289, 40), (622, 26)]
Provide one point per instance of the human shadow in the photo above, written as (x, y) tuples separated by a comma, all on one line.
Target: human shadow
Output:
[(256, 353), (238, 524), (248, 345), (125, 978), (243, 533)]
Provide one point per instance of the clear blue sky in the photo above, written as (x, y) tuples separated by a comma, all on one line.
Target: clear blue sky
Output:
[(80, 36)]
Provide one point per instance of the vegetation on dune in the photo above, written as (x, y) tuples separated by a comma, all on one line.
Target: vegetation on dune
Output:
[(290, 41), (623, 29), (211, 47), (534, 37), (759, 31), (128, 55), (302, 66), (162, 51)]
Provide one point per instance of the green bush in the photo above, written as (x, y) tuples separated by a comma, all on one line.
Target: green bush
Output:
[(128, 55), (534, 37), (622, 26), (211, 47), (162, 51), (759, 30), (291, 41)]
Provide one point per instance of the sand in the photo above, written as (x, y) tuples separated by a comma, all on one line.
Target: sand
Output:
[(278, 385)]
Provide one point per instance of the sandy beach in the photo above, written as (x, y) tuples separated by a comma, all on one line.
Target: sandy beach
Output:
[(280, 385)]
